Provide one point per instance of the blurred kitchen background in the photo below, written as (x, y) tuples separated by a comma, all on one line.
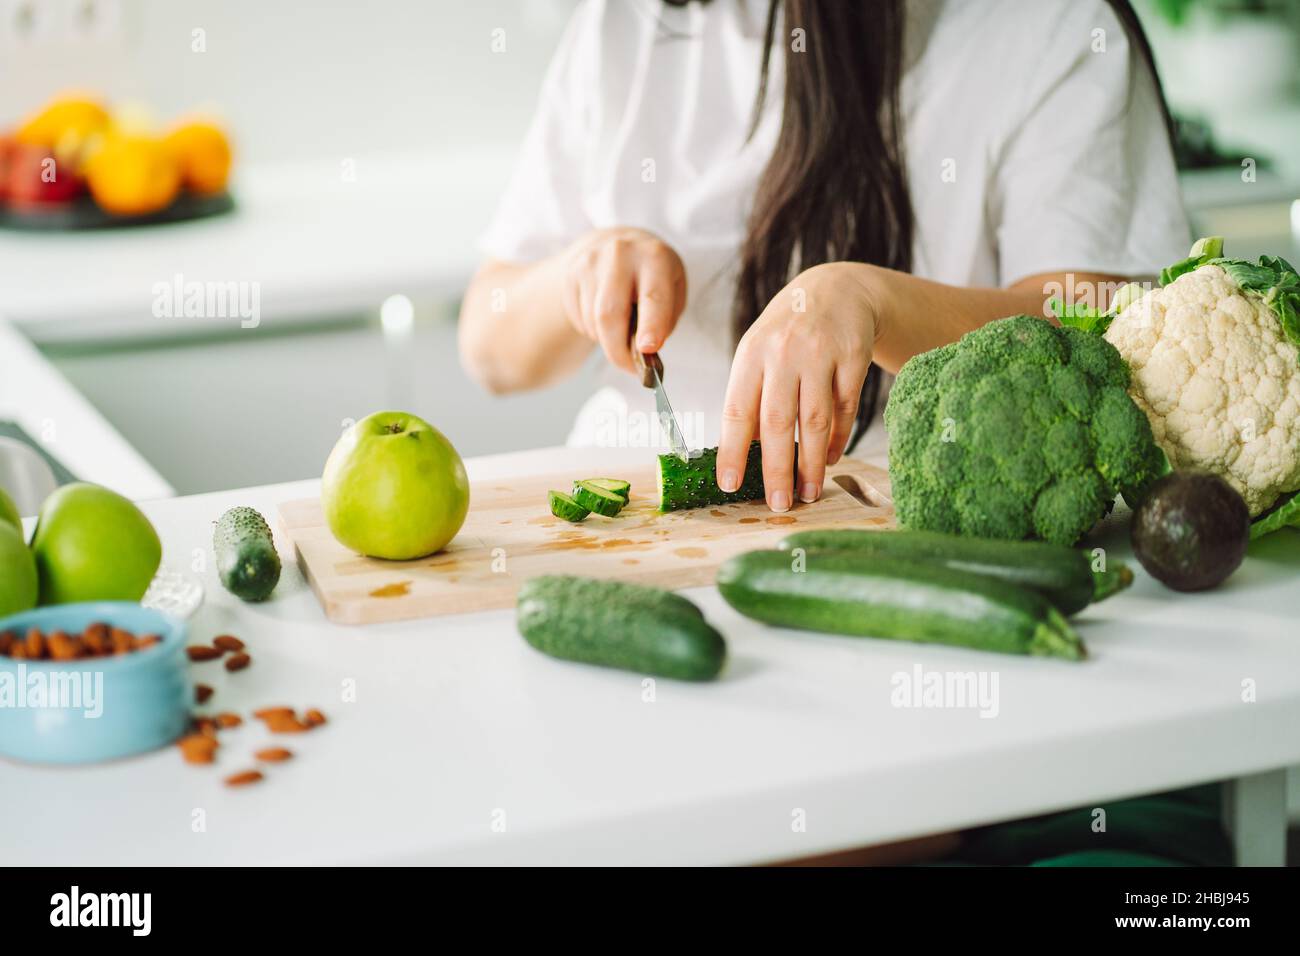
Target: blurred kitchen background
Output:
[(371, 141)]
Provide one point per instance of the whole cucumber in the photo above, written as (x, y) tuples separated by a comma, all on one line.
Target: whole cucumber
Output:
[(1063, 575), (844, 592), (247, 562), (614, 624)]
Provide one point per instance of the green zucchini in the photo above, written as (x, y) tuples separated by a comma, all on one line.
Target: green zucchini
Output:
[(247, 562), (617, 485), (1062, 575), (846, 592), (563, 506), (597, 499), (615, 624), (694, 483)]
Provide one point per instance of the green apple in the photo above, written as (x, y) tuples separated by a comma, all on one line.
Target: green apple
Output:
[(394, 488), (18, 584), (91, 544), (9, 511)]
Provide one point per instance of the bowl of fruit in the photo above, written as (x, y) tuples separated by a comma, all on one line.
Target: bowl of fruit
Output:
[(76, 163)]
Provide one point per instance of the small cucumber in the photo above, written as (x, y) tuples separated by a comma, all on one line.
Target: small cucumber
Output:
[(563, 506), (846, 592), (1062, 575), (615, 624), (597, 499), (617, 485), (694, 483), (247, 562)]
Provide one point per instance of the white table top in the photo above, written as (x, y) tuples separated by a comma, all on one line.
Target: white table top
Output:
[(33, 394), (319, 241), (458, 724)]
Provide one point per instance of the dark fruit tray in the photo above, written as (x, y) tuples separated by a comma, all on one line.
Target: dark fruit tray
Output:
[(82, 213)]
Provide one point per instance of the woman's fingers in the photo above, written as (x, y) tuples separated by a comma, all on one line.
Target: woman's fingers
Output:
[(615, 293), (661, 296), (739, 417), (776, 422), (815, 423), (846, 394)]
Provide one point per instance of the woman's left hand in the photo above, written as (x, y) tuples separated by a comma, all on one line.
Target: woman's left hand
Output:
[(801, 363)]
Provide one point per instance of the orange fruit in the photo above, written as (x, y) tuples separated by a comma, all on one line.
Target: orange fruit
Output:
[(203, 151), (133, 175), (63, 118)]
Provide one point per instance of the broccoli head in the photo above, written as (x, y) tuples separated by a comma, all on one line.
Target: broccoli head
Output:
[(1020, 429)]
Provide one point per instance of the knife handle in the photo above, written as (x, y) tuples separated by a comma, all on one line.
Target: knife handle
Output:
[(644, 362)]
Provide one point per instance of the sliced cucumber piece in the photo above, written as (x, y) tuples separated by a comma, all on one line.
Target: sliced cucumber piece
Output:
[(563, 506), (597, 499), (617, 485)]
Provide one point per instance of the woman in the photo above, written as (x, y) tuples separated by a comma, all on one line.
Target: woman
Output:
[(789, 191)]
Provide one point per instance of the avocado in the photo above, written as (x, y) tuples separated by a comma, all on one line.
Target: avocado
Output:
[(1191, 530)]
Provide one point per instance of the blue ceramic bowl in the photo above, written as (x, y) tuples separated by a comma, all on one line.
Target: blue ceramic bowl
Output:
[(95, 709)]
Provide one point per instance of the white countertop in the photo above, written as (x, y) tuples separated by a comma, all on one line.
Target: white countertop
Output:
[(56, 415), (459, 725), (320, 245)]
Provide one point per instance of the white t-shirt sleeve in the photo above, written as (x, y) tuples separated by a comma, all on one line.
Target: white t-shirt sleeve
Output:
[(1086, 181), (542, 208)]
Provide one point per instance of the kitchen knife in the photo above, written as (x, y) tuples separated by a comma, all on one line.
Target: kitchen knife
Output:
[(651, 369)]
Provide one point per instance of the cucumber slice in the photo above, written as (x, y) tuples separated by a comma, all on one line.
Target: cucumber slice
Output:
[(617, 485), (563, 506), (597, 499)]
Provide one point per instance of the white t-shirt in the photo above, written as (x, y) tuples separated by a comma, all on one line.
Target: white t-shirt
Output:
[(1032, 139)]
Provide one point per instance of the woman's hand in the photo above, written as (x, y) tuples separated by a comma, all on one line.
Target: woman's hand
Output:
[(801, 363), (610, 270)]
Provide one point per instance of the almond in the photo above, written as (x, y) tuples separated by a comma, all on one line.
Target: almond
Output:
[(34, 645), (198, 749), (96, 636), (122, 641), (243, 778), (201, 693), (314, 717), (7, 639), (228, 720), (267, 712), (285, 724), (62, 647), (201, 652), (228, 642), (237, 662), (273, 754)]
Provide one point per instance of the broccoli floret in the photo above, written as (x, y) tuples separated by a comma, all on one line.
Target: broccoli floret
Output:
[(1019, 429)]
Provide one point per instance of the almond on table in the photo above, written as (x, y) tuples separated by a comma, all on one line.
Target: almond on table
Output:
[(228, 642), (273, 754), (202, 652), (243, 778), (237, 662)]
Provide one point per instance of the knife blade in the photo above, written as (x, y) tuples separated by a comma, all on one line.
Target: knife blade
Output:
[(651, 369)]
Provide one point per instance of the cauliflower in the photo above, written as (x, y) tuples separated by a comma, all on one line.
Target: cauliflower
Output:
[(1018, 429), (1215, 366)]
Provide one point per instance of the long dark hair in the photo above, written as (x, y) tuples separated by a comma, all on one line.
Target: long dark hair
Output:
[(836, 188)]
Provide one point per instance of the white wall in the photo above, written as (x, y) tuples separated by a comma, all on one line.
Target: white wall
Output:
[(295, 78)]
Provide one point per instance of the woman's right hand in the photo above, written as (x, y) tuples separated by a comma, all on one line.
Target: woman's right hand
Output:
[(610, 270)]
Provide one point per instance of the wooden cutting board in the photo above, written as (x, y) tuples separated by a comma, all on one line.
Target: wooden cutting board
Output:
[(510, 536)]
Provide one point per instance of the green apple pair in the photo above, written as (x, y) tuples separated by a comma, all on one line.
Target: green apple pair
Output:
[(90, 544)]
